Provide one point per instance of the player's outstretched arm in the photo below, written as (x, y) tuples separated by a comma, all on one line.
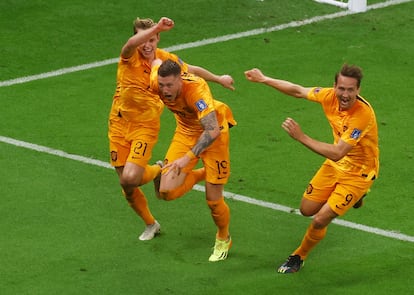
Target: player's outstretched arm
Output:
[(226, 81), (286, 87)]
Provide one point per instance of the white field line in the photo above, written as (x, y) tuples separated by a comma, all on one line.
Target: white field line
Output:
[(229, 195), (204, 42)]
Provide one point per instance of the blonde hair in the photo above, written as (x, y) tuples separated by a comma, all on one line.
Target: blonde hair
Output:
[(142, 24)]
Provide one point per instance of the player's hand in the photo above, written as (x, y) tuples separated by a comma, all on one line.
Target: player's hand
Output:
[(171, 168), (177, 165), (254, 75), (227, 81), (292, 128), (165, 24)]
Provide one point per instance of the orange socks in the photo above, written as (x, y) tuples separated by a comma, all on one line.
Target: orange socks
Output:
[(221, 216), (312, 237), (192, 178), (139, 203), (150, 172)]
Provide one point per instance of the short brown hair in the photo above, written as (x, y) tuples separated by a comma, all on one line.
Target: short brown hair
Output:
[(351, 71), (142, 24), (169, 67)]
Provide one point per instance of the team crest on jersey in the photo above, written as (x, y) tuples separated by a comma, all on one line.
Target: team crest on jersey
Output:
[(356, 133), (201, 105), (114, 156), (309, 189)]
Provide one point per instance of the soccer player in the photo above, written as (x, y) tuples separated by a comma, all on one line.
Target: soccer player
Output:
[(352, 160), (134, 119), (202, 132)]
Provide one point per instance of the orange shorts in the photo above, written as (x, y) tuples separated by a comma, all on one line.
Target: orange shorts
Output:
[(341, 190), (131, 142), (216, 158)]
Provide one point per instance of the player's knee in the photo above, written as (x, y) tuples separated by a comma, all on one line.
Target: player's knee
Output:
[(306, 211), (309, 208), (165, 195), (128, 181), (317, 222), (320, 221)]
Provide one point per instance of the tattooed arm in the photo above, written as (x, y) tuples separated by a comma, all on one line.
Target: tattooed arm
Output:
[(210, 133)]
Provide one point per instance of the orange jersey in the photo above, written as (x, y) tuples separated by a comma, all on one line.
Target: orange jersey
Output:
[(195, 102), (136, 101), (356, 126)]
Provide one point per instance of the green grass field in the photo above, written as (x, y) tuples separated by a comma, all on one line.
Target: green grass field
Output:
[(65, 227)]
